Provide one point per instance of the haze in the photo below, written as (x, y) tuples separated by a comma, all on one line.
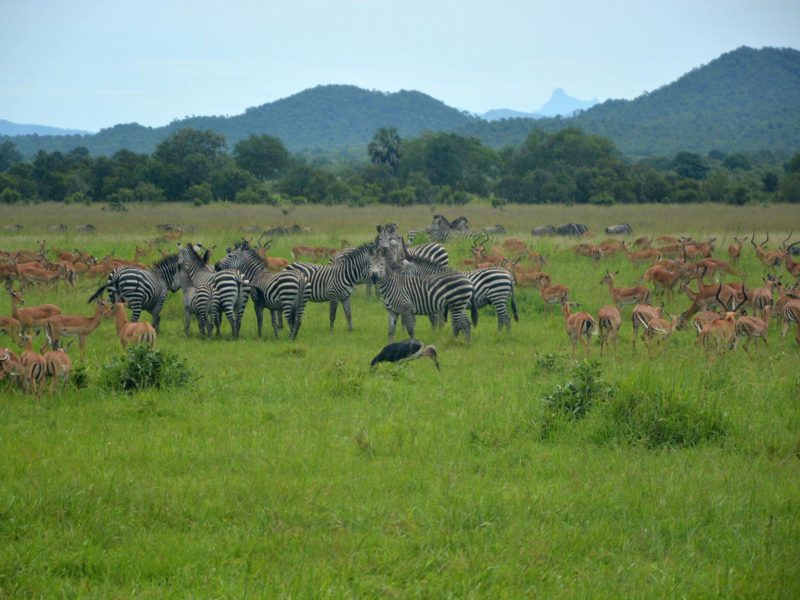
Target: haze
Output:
[(93, 64)]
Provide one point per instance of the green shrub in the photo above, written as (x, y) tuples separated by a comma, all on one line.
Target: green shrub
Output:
[(573, 400), (658, 419), (144, 367)]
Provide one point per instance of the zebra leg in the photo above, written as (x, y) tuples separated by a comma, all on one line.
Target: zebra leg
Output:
[(274, 316), (260, 317), (187, 319), (334, 305), (409, 322), (392, 324), (348, 313), (231, 314), (156, 320)]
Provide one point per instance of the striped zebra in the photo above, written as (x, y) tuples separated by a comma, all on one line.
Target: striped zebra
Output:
[(231, 287), (142, 289), (441, 230), (409, 295), (344, 255), (492, 285), (199, 300), (430, 251), (334, 283), (284, 291)]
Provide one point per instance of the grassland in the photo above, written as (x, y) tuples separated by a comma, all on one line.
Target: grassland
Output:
[(291, 469)]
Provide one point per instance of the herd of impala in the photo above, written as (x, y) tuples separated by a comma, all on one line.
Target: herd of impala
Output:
[(670, 266)]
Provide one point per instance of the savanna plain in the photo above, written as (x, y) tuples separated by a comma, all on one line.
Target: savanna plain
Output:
[(293, 469)]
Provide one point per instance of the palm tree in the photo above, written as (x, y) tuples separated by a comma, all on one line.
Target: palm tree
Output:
[(386, 148)]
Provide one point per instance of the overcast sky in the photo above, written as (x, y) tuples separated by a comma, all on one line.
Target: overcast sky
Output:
[(90, 64)]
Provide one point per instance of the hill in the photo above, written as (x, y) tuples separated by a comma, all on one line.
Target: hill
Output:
[(10, 128), (746, 100), (560, 103), (325, 117)]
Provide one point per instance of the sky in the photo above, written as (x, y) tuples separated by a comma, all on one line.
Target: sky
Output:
[(90, 64)]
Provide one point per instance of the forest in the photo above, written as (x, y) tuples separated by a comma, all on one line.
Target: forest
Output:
[(563, 167)]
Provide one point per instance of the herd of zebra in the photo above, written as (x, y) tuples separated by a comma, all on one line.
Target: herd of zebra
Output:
[(411, 281)]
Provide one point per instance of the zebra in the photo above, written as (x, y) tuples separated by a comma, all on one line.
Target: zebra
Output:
[(200, 300), (344, 255), (231, 287), (441, 230), (284, 291), (142, 289), (430, 251), (334, 282), (492, 285), (409, 295)]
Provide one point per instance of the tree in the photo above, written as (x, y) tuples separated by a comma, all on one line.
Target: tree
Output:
[(8, 155), (386, 148), (185, 158), (689, 165), (770, 181), (264, 156)]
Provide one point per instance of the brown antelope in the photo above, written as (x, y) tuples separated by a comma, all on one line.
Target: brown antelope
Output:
[(610, 246), (721, 330), (641, 256), (643, 313), (667, 239), (791, 314), (702, 318), (769, 258), (516, 246), (735, 250), (31, 317), (664, 280), (658, 330), (76, 325), (35, 274), (762, 298), (579, 326), (643, 242), (630, 295), (609, 320), (697, 249), (58, 366), (708, 295), (312, 252), (10, 326), (34, 366), (753, 328), (273, 263), (132, 333), (791, 266), (671, 250), (552, 294), (712, 265), (10, 367)]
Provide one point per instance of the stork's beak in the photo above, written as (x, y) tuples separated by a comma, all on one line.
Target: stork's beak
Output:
[(436, 362)]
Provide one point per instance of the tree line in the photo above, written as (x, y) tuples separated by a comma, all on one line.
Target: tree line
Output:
[(566, 166)]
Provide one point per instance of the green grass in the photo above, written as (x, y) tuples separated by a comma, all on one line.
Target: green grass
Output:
[(292, 469)]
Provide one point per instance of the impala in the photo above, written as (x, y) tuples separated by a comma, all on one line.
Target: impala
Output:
[(552, 294), (609, 319), (721, 330), (642, 256), (642, 314), (31, 317), (579, 326), (664, 279), (791, 266), (132, 333), (629, 295), (753, 328), (735, 250), (33, 366), (57, 366), (658, 329), (769, 258), (791, 314), (10, 326), (9, 365), (697, 249), (76, 325)]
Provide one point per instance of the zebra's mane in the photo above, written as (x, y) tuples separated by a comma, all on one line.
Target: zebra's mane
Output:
[(167, 262)]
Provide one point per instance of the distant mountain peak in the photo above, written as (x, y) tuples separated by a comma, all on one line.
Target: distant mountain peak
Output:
[(9, 128), (561, 103)]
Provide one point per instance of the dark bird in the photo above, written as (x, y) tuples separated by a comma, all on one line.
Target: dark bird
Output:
[(406, 350)]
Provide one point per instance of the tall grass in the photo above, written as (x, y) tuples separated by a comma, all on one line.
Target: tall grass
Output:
[(294, 469)]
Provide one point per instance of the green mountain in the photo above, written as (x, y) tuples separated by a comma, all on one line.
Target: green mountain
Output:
[(325, 117), (744, 101)]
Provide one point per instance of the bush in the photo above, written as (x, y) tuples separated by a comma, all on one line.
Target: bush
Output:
[(657, 419), (9, 196), (144, 367), (573, 400)]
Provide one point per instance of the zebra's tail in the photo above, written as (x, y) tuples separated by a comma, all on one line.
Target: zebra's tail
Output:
[(98, 293), (514, 305), (299, 303)]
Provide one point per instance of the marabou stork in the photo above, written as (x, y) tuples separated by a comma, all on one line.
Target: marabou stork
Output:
[(406, 350)]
